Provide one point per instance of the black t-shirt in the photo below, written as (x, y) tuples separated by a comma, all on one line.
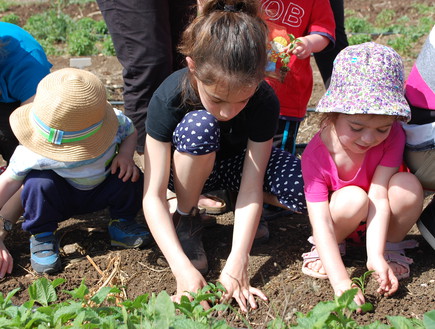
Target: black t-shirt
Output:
[(257, 121)]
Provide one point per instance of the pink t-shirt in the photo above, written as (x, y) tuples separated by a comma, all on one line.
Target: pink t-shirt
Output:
[(320, 172)]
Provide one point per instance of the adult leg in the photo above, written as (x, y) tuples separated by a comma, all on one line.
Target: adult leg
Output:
[(325, 59), (141, 35), (181, 13)]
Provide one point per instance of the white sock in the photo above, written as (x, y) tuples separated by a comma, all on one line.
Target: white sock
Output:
[(182, 213)]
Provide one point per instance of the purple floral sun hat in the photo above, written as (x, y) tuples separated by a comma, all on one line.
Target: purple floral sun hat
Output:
[(367, 79)]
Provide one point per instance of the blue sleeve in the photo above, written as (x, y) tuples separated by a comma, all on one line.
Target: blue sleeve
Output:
[(24, 64)]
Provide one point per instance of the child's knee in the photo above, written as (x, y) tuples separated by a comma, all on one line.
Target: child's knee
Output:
[(40, 180), (405, 189), (197, 134), (355, 199)]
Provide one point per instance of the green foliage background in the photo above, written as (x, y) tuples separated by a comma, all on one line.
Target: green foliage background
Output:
[(60, 34)]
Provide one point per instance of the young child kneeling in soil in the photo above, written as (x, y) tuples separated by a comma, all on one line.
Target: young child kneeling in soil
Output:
[(353, 186), (75, 157)]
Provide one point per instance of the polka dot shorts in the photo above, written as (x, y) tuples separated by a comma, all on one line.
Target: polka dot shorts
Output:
[(198, 134)]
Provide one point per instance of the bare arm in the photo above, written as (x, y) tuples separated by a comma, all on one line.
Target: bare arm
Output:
[(327, 248), (247, 215), (124, 160), (29, 100), (312, 43), (8, 189), (377, 225), (157, 159)]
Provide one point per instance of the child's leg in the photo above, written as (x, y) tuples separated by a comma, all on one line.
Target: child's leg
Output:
[(406, 202), (196, 140), (348, 207), (124, 199), (45, 198), (283, 179)]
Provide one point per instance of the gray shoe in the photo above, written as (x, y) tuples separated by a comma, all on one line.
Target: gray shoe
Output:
[(262, 234), (189, 231)]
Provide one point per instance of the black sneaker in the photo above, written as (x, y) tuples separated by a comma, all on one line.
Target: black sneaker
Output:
[(426, 223), (189, 231)]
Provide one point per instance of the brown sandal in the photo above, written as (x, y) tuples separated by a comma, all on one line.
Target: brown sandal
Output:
[(214, 210)]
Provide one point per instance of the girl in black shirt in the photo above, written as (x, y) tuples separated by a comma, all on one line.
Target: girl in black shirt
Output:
[(210, 127)]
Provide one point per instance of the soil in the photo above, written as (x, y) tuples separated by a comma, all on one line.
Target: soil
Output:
[(274, 266)]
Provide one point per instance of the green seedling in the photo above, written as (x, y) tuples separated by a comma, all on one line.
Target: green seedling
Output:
[(285, 56), (360, 281)]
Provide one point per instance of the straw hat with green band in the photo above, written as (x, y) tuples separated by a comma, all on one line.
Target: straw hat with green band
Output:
[(70, 118)]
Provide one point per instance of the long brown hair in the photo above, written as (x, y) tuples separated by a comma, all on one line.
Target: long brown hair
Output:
[(227, 41)]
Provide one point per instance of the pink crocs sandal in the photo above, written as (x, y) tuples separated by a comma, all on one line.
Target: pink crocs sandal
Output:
[(313, 256), (395, 253)]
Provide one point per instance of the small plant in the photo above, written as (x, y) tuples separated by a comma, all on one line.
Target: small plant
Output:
[(81, 43), (193, 309), (360, 281), (285, 56), (385, 19), (332, 314), (108, 49), (103, 310), (356, 39), (4, 5), (403, 44), (49, 27), (358, 25)]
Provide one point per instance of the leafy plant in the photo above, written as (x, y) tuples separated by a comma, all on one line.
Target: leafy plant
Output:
[(108, 49), (403, 44), (358, 25), (210, 293), (286, 55), (50, 29), (332, 314), (356, 39), (100, 310), (360, 281), (385, 18), (4, 5), (11, 18), (81, 42)]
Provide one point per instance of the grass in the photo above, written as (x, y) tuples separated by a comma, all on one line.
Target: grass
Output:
[(399, 32)]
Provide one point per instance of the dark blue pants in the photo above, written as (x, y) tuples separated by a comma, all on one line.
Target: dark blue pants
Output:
[(145, 34), (49, 199)]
